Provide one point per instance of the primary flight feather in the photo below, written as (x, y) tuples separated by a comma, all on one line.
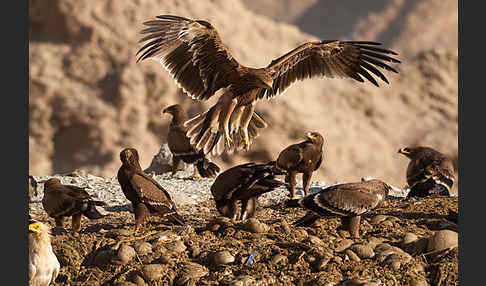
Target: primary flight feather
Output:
[(194, 55)]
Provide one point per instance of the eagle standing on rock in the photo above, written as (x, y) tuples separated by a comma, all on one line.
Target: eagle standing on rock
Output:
[(182, 149), (32, 188), (305, 158), (43, 264), (245, 183), (350, 201), (62, 201), (194, 55), (145, 193), (429, 172)]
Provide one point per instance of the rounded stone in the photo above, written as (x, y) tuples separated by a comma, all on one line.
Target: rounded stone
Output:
[(378, 219), (443, 239), (342, 244), (352, 255), (176, 246), (222, 257), (409, 237), (153, 271), (255, 226), (364, 251), (279, 258), (125, 253), (143, 248)]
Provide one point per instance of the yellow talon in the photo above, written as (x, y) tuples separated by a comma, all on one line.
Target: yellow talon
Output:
[(228, 139), (247, 144)]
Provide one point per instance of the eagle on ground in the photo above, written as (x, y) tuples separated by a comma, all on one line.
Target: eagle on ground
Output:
[(245, 183), (144, 192), (181, 148), (43, 264), (194, 55), (429, 172), (32, 188), (305, 158), (349, 200), (62, 201)]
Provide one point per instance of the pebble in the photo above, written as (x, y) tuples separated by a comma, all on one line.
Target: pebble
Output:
[(190, 273), (352, 255), (221, 257), (364, 251), (153, 271), (176, 246), (342, 244), (314, 240), (125, 253), (279, 258), (378, 219), (244, 280), (442, 239), (143, 248), (255, 226), (409, 237)]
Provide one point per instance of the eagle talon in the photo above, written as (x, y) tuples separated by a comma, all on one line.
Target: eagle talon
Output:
[(246, 142), (228, 139)]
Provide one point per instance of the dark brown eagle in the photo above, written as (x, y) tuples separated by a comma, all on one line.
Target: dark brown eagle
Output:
[(429, 172), (32, 188), (350, 201), (194, 55), (144, 192), (245, 183), (305, 158), (62, 201), (182, 149)]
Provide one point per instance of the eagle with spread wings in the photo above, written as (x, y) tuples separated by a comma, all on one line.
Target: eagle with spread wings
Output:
[(194, 55)]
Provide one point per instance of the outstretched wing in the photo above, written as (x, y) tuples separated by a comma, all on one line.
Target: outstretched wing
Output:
[(331, 58), (192, 52)]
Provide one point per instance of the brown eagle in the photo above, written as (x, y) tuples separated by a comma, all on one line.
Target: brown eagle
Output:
[(245, 183), (62, 201), (43, 264), (182, 149), (429, 172), (144, 192), (305, 158), (194, 55), (349, 200)]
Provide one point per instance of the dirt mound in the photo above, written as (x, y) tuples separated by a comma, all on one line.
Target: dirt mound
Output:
[(89, 99), (211, 250)]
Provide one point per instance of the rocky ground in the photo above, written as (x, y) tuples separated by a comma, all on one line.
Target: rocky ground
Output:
[(405, 242)]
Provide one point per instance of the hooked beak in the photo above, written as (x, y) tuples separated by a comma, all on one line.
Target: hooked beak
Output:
[(403, 151), (309, 136)]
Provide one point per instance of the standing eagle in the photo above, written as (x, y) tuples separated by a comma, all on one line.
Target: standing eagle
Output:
[(145, 193), (181, 148), (349, 200), (194, 55), (245, 183), (429, 172), (305, 158), (62, 201), (43, 264)]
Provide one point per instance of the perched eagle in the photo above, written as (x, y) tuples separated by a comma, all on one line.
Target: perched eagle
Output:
[(305, 158), (62, 201), (349, 201), (245, 183), (43, 263), (145, 193), (194, 55), (32, 188), (182, 149), (429, 172)]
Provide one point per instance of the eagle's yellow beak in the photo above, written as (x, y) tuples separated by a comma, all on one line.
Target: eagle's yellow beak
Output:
[(35, 227), (310, 136), (404, 151), (164, 110)]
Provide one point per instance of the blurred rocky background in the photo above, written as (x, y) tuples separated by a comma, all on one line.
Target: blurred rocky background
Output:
[(89, 99)]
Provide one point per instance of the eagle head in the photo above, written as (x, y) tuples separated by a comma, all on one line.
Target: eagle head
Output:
[(172, 109), (315, 137), (129, 156)]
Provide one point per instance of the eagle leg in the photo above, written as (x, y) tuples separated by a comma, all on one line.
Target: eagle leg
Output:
[(141, 215), (306, 178), (290, 179), (228, 105), (59, 222), (196, 175), (351, 224), (248, 208), (76, 222), (175, 164), (245, 119)]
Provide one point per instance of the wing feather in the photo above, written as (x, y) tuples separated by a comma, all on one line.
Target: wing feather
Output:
[(192, 52), (344, 59)]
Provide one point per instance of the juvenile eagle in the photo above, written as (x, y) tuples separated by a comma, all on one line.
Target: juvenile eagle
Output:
[(429, 172), (349, 201), (43, 263), (245, 183), (145, 193), (181, 148), (194, 55), (62, 201), (305, 158)]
